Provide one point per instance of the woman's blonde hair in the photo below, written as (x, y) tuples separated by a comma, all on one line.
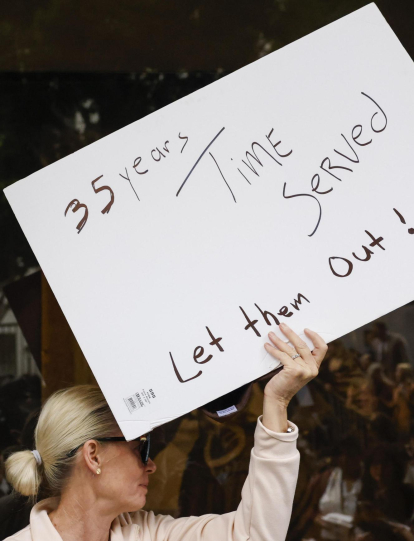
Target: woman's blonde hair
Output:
[(68, 419)]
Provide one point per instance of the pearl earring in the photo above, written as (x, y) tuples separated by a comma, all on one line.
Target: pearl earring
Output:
[(98, 471)]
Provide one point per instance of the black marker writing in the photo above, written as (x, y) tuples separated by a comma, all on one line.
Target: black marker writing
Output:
[(376, 241), (330, 166), (198, 160), (177, 373), (215, 341), (269, 317), (256, 159), (305, 195), (218, 167), (186, 141), (158, 156), (198, 353), (102, 188), (375, 114), (76, 206), (402, 220), (333, 169), (129, 180), (356, 160), (137, 161)]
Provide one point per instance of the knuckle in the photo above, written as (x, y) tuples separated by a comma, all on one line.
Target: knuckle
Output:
[(309, 373)]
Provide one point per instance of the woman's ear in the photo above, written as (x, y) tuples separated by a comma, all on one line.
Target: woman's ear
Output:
[(91, 456)]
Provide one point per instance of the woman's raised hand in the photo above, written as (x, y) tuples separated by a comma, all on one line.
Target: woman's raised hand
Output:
[(297, 371)]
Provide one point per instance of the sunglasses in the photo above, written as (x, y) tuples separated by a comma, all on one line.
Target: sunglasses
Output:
[(144, 447)]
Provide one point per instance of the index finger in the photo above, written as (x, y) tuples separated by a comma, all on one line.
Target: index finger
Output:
[(320, 346)]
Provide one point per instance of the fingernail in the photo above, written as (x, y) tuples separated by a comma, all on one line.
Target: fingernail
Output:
[(283, 325), (271, 333)]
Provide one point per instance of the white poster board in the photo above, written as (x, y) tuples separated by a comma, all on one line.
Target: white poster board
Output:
[(236, 202)]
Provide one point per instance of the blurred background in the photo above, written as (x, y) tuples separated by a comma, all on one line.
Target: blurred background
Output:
[(74, 71)]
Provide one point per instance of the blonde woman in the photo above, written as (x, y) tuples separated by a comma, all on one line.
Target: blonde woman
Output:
[(99, 481)]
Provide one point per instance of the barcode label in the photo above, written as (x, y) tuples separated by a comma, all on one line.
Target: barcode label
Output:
[(133, 402), (139, 400)]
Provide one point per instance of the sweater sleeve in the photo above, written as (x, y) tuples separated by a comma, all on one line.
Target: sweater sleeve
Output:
[(266, 505)]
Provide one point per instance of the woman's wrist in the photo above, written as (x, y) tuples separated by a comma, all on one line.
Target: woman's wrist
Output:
[(274, 414)]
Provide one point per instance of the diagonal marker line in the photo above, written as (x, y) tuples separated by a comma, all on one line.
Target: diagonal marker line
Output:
[(218, 167), (196, 163)]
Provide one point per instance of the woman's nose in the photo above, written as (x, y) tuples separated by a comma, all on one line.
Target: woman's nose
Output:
[(151, 467)]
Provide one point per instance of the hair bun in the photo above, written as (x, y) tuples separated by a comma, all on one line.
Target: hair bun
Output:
[(22, 472)]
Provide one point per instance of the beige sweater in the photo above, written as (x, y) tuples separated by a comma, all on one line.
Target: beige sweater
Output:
[(263, 513)]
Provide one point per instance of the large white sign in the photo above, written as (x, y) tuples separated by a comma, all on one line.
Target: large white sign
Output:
[(283, 192)]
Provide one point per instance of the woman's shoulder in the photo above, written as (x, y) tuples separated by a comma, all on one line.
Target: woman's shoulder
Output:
[(147, 518), (22, 535), (162, 525), (142, 521)]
